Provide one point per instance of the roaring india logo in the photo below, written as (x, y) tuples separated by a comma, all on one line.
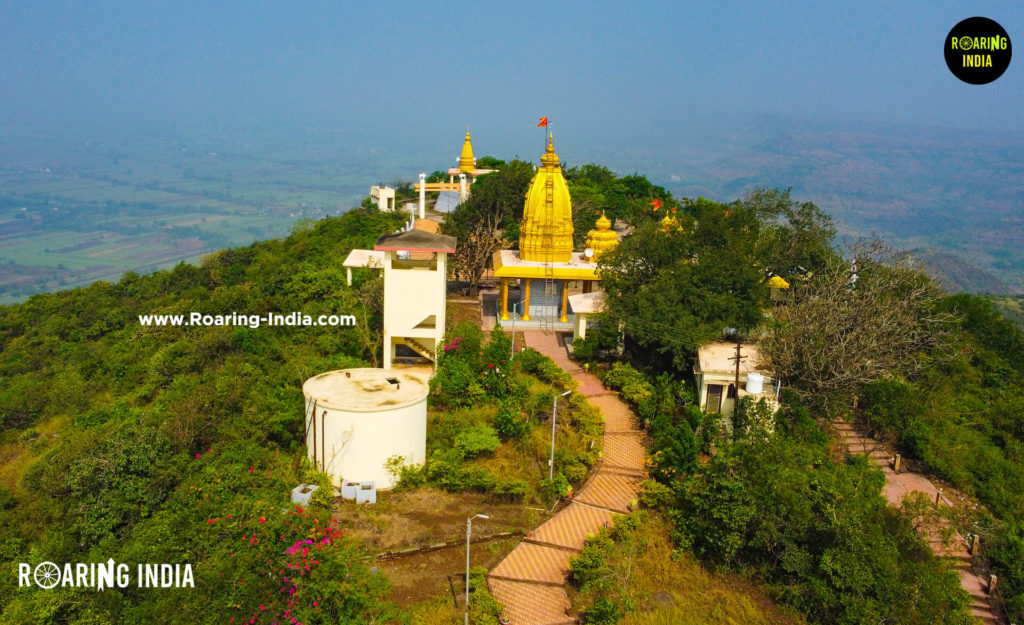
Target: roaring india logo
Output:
[(977, 50), (103, 575)]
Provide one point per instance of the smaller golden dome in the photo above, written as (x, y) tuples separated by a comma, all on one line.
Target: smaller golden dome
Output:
[(601, 238), (670, 224), (467, 164)]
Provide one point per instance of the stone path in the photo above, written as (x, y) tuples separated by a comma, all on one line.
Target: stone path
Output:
[(530, 581), (898, 486)]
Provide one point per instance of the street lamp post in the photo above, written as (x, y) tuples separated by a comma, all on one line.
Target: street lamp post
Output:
[(551, 459), (512, 355), (469, 534)]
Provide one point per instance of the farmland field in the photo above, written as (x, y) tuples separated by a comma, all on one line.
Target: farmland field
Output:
[(75, 211)]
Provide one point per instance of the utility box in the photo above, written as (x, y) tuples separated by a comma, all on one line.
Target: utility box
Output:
[(348, 490), (366, 493), (302, 493)]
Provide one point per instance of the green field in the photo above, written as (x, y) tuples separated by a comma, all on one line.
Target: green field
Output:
[(73, 213)]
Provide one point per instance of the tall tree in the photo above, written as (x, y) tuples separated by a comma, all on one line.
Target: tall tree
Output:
[(795, 237), (674, 290)]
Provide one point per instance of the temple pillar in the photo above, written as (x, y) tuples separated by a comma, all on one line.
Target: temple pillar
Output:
[(565, 302), (526, 299), (504, 300)]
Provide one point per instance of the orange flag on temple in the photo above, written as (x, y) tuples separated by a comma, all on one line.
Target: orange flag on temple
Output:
[(656, 203), (543, 122)]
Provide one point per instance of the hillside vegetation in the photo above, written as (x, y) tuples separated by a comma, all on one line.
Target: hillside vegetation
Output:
[(180, 444)]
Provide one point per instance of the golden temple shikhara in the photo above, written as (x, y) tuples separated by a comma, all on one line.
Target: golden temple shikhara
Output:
[(545, 262), (467, 164)]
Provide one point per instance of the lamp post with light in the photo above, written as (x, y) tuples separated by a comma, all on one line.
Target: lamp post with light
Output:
[(469, 534), (551, 460)]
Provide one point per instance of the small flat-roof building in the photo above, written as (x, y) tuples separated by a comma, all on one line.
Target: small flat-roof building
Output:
[(385, 197), (362, 258), (583, 305), (715, 373), (415, 291)]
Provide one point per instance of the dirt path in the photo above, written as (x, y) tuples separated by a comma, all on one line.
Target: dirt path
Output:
[(898, 486), (530, 581)]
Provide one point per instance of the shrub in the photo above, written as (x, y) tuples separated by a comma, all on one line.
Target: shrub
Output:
[(509, 424), (456, 383), (476, 439), (555, 488), (7, 500), (512, 489), (408, 476), (584, 350), (632, 385), (533, 362), (603, 612), (586, 570)]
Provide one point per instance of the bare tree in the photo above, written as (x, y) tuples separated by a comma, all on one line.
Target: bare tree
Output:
[(857, 320), (478, 242), (490, 214)]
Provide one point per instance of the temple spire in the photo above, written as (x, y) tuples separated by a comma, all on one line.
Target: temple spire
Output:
[(467, 164), (546, 232)]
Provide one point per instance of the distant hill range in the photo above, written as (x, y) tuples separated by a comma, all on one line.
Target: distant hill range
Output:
[(72, 212), (956, 197)]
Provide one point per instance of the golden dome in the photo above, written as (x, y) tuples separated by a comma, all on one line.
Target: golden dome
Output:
[(467, 164), (545, 235), (670, 224), (601, 238)]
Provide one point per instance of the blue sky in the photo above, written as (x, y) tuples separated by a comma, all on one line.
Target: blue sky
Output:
[(598, 70)]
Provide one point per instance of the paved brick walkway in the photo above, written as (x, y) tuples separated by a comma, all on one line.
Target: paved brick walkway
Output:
[(898, 486), (530, 581)]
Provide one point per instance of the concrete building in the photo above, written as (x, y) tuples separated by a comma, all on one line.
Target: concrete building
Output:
[(715, 373), (385, 197), (415, 290), (356, 419)]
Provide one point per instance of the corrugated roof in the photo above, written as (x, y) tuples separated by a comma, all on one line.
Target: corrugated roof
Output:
[(416, 241), (447, 201)]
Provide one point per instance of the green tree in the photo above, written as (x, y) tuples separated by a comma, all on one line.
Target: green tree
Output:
[(795, 238), (672, 291)]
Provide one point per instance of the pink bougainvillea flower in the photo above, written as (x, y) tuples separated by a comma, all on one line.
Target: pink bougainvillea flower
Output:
[(197, 456), (263, 520)]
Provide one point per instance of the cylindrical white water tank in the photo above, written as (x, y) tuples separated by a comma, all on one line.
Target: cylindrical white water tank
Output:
[(755, 383), (356, 419)]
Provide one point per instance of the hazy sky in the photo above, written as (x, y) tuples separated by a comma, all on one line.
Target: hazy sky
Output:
[(408, 69)]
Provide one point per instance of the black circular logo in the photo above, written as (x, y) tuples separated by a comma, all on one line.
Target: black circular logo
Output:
[(978, 50)]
